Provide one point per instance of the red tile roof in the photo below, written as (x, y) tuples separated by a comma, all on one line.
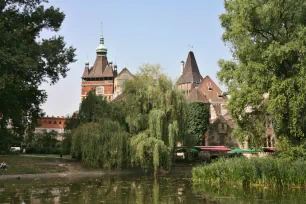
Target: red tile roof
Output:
[(196, 95), (99, 69)]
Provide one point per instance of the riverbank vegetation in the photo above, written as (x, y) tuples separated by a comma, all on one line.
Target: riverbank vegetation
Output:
[(256, 171)]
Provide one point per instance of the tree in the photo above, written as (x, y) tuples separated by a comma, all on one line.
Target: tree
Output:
[(198, 121), (44, 142), (155, 115), (268, 43), (98, 133), (27, 61)]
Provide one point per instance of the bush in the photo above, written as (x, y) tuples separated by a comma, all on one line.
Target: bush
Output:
[(255, 171)]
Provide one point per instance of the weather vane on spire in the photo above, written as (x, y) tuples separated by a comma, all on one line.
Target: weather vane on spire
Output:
[(101, 28), (190, 47)]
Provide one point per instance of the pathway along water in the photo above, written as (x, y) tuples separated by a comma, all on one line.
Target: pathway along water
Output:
[(135, 189)]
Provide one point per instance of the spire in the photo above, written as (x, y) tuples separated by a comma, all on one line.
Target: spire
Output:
[(191, 73), (101, 49)]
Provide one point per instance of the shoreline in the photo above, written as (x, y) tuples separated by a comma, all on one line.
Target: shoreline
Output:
[(70, 174)]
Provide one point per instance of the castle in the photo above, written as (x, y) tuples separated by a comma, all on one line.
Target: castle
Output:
[(104, 79)]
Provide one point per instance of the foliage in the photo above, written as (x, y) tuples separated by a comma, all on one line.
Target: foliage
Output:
[(155, 117), (289, 150), (197, 122), (27, 61), (255, 171), (42, 143), (104, 144), (95, 108), (267, 39), (8, 139), (98, 133)]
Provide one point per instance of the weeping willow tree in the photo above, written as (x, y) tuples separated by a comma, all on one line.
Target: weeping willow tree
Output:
[(104, 144), (155, 117), (100, 138)]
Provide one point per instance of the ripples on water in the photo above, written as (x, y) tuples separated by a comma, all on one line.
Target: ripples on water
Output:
[(136, 189)]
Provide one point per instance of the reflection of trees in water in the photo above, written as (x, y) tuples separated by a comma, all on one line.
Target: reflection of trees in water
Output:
[(254, 195), (140, 190)]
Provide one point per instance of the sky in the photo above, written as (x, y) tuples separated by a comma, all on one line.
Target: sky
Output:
[(136, 32)]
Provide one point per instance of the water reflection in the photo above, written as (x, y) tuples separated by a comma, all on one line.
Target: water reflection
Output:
[(139, 190), (254, 195), (100, 190)]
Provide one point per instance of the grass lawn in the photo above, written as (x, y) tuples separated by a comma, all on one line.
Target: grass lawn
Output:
[(18, 164), (47, 155)]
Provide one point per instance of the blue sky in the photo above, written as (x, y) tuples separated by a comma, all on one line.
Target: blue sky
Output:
[(136, 32)]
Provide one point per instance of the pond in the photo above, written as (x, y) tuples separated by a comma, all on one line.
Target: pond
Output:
[(136, 189)]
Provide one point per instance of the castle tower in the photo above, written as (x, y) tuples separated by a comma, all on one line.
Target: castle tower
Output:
[(100, 77), (190, 77)]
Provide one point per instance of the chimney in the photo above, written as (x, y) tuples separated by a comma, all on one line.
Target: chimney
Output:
[(182, 66)]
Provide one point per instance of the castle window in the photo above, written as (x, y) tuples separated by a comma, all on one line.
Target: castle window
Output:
[(209, 86), (50, 122), (60, 122), (54, 122), (222, 128), (45, 122), (225, 127)]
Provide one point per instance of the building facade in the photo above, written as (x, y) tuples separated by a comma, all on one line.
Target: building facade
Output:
[(102, 76), (48, 124), (197, 88)]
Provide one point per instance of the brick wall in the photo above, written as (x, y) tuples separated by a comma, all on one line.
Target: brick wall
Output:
[(52, 122), (89, 85)]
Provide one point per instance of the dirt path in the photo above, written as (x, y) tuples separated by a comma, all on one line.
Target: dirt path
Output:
[(70, 174)]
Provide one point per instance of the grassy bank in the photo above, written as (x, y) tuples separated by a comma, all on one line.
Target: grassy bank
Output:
[(255, 171), (18, 164)]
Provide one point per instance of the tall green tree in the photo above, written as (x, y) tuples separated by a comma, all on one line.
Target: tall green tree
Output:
[(268, 43), (26, 60), (156, 114)]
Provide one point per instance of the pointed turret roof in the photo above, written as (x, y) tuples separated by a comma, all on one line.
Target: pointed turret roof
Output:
[(108, 72), (86, 72), (191, 73)]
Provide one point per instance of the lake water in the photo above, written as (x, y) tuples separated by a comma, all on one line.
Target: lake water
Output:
[(138, 190)]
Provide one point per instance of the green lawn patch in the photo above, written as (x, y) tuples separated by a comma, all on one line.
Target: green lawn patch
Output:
[(18, 164)]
